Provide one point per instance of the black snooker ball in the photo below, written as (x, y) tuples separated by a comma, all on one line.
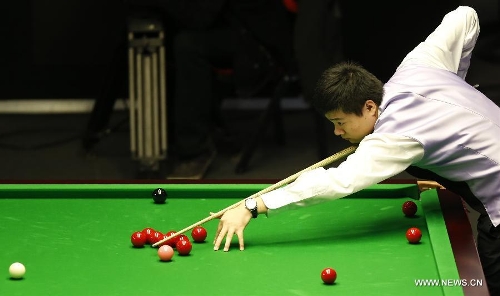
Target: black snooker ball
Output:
[(159, 196)]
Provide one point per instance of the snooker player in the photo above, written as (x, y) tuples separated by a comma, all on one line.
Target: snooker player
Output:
[(426, 120)]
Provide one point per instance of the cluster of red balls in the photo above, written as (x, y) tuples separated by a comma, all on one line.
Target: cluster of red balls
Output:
[(413, 234), (183, 245)]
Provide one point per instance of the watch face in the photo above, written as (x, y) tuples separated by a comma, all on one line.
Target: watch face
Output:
[(250, 203)]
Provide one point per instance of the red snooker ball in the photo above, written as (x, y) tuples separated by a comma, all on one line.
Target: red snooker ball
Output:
[(138, 239), (413, 235), (328, 275), (171, 242), (148, 232), (182, 237), (184, 247), (199, 234), (155, 237), (409, 208)]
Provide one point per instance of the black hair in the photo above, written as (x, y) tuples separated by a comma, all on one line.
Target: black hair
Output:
[(346, 87)]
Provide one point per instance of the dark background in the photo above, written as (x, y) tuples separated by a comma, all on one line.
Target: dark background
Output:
[(61, 49), (57, 48)]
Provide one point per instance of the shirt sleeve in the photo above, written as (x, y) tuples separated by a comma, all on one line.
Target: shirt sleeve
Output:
[(378, 157), (450, 46)]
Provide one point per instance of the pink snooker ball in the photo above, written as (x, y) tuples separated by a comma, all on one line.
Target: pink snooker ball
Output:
[(165, 253)]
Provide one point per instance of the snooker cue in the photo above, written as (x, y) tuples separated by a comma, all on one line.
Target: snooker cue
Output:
[(337, 156)]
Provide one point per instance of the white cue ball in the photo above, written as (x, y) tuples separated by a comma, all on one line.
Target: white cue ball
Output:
[(17, 270)]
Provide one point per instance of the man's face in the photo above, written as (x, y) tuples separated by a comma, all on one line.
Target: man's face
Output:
[(352, 127)]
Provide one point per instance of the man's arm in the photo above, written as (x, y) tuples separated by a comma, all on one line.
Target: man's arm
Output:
[(378, 157), (450, 46)]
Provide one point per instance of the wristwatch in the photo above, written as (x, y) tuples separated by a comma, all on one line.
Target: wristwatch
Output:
[(251, 205)]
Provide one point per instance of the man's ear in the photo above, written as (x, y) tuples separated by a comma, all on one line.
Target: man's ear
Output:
[(370, 106)]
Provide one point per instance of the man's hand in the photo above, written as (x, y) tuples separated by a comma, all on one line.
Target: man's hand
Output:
[(232, 222), (426, 185)]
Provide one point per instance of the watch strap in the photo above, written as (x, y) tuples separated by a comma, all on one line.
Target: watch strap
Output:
[(254, 212)]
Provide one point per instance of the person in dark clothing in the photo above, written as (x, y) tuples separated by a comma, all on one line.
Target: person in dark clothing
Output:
[(317, 41), (238, 36)]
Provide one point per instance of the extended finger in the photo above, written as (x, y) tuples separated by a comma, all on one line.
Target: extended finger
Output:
[(229, 238), (219, 228), (220, 237), (241, 241)]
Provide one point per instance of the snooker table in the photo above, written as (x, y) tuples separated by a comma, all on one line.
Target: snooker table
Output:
[(74, 239)]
